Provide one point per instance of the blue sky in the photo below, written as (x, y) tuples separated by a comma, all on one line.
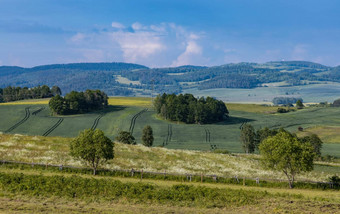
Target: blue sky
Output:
[(163, 33)]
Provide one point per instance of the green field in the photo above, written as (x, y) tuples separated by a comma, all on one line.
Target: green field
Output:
[(28, 191), (311, 93), (224, 135)]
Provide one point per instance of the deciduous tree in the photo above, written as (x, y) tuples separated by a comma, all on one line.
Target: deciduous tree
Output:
[(93, 148), (285, 152), (248, 138), (147, 137)]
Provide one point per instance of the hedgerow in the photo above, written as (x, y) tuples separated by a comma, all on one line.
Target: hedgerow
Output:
[(105, 189)]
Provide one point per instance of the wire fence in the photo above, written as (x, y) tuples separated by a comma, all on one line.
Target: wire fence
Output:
[(189, 177)]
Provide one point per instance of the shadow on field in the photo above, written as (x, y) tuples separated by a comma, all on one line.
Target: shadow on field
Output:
[(234, 120), (112, 108)]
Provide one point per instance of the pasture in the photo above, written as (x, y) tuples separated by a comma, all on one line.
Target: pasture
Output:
[(55, 150), (311, 93), (123, 114)]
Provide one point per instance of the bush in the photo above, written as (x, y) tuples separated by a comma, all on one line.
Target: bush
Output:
[(126, 137), (282, 110)]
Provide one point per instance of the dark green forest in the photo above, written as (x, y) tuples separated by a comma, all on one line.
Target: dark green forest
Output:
[(188, 109), (103, 76), (78, 102), (10, 93)]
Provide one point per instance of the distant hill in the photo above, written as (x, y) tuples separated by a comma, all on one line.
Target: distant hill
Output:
[(132, 79)]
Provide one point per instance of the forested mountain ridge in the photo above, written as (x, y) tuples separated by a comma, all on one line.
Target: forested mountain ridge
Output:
[(132, 79)]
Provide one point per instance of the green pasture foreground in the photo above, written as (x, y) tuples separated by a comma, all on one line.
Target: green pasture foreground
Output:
[(56, 193), (223, 135)]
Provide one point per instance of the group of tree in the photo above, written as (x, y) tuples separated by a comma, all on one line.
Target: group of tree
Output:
[(251, 138), (287, 101), (282, 150), (78, 102), (186, 108), (93, 148), (127, 137), (336, 103), (10, 93)]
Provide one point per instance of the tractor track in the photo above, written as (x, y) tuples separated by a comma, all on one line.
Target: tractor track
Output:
[(133, 120), (53, 127), (168, 136), (208, 139), (96, 121), (27, 115), (37, 111)]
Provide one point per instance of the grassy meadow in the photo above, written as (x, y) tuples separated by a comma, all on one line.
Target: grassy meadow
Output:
[(45, 192), (224, 135), (187, 151), (55, 150)]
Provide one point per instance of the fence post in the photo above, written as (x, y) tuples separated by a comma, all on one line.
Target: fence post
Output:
[(132, 172), (244, 181), (257, 181), (201, 177)]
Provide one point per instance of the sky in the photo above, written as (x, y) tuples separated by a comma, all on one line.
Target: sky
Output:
[(160, 33)]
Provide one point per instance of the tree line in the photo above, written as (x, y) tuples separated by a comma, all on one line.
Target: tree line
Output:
[(188, 109), (286, 100), (78, 102), (12, 93), (282, 150)]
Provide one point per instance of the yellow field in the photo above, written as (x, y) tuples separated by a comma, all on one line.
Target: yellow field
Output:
[(130, 101), (123, 101), (254, 108), (329, 134), (29, 102)]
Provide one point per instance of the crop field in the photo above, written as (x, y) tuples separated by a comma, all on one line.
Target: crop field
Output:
[(132, 114), (312, 93)]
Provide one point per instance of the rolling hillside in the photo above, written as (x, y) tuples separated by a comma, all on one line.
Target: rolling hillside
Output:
[(132, 114), (137, 80)]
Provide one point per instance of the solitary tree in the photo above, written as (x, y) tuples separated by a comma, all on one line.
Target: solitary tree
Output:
[(299, 104), (248, 138), (147, 137), (93, 148), (125, 137), (284, 152)]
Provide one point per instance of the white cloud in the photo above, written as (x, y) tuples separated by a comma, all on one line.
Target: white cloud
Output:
[(138, 26), (151, 45), (192, 52), (138, 45), (117, 25)]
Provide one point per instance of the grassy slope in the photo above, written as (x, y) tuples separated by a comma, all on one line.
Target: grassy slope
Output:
[(54, 150), (224, 135), (273, 200)]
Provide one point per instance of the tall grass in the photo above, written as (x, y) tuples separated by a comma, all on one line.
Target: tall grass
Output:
[(55, 150)]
